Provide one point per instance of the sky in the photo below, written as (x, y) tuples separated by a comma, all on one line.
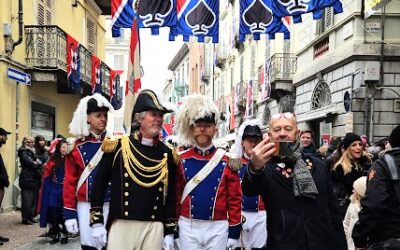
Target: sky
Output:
[(156, 54)]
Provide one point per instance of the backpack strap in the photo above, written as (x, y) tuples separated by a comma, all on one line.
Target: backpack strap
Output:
[(394, 175)]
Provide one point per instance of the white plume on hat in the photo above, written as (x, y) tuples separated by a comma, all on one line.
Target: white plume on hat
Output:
[(79, 126), (194, 107), (237, 147)]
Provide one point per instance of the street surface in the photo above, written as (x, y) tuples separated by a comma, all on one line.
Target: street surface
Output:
[(26, 237)]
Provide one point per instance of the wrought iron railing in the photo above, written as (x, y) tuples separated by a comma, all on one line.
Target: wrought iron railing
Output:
[(284, 65), (46, 48)]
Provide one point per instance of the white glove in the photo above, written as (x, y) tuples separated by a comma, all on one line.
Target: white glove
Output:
[(72, 226), (232, 243), (99, 235), (168, 243), (177, 244)]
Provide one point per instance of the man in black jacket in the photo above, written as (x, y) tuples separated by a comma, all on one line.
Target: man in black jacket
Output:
[(379, 219), (296, 190), (142, 172), (3, 174)]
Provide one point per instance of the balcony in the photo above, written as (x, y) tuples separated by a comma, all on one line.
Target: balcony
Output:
[(283, 66), (46, 55), (181, 89)]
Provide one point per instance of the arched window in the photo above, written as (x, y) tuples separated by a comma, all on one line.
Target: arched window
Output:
[(321, 96)]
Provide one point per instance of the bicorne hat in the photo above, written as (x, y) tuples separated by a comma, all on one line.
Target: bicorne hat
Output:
[(148, 100)]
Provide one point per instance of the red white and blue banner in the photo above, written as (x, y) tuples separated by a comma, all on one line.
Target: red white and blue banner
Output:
[(256, 18), (115, 95), (265, 79), (133, 83), (96, 80), (249, 99), (73, 63), (198, 18), (166, 130), (151, 14)]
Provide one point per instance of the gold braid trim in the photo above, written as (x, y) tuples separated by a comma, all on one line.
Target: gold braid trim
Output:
[(109, 144), (133, 165)]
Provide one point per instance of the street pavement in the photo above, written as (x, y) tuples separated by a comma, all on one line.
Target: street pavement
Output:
[(26, 237)]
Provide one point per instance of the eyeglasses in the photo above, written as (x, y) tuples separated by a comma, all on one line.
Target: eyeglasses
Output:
[(286, 115)]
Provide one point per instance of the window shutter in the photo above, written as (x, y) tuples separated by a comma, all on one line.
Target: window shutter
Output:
[(48, 12), (91, 35), (40, 13), (319, 26), (328, 16)]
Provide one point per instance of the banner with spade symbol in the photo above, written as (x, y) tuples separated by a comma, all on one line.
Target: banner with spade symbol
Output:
[(73, 64), (256, 17), (96, 75), (198, 18), (151, 14), (296, 8)]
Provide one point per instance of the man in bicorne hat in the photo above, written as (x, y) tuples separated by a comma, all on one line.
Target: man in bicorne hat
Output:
[(88, 125), (208, 185), (254, 233), (142, 172)]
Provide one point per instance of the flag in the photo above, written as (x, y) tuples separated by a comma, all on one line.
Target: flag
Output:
[(197, 18), (232, 117), (228, 113), (166, 130), (133, 83), (96, 80), (296, 8), (115, 95), (266, 79), (73, 63), (151, 14), (256, 18), (249, 99)]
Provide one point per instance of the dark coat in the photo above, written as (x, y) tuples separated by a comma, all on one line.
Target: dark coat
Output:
[(29, 176), (297, 223), (343, 184), (3, 174), (379, 218), (129, 200)]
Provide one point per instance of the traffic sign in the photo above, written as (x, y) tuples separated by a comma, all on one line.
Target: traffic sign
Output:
[(19, 76)]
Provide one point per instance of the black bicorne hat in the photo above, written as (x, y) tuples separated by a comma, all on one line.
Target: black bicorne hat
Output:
[(4, 132), (207, 119), (92, 106), (147, 100), (252, 131)]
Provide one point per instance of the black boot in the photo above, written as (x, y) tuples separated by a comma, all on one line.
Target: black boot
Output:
[(63, 238), (55, 239)]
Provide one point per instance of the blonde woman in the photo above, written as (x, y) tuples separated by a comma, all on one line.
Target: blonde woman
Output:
[(351, 166), (359, 187)]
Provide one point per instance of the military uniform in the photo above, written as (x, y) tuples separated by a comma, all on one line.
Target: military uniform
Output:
[(254, 220), (211, 213), (142, 179)]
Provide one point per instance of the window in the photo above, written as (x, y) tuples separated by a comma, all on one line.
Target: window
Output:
[(118, 61), (91, 29), (43, 120), (325, 22), (44, 13), (321, 96)]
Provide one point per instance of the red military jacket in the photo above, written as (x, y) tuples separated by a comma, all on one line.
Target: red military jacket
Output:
[(75, 163), (217, 197)]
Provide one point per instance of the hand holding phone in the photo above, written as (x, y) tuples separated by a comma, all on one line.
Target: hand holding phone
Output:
[(283, 148)]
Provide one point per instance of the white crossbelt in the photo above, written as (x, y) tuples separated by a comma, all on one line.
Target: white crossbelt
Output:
[(89, 168), (203, 173)]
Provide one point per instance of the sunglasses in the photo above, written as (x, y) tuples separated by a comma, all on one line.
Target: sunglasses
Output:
[(286, 115)]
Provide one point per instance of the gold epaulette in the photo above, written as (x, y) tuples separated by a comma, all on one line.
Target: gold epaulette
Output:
[(234, 161), (175, 156), (110, 144)]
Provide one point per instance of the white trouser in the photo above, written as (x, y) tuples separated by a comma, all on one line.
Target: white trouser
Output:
[(203, 234), (254, 233), (133, 234), (85, 231)]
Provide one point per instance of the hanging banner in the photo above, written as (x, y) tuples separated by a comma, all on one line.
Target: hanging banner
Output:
[(372, 6), (233, 110), (115, 90), (266, 79), (249, 99), (197, 18), (256, 18), (96, 75), (151, 14), (236, 102), (73, 64)]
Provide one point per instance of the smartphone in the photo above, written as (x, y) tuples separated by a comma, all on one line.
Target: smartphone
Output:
[(283, 148)]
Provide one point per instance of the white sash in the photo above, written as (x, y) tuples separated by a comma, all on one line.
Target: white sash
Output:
[(89, 168), (203, 173)]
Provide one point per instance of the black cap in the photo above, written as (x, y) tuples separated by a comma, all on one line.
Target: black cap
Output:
[(349, 139), (4, 132), (92, 106), (206, 119), (252, 131), (394, 137), (147, 100)]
